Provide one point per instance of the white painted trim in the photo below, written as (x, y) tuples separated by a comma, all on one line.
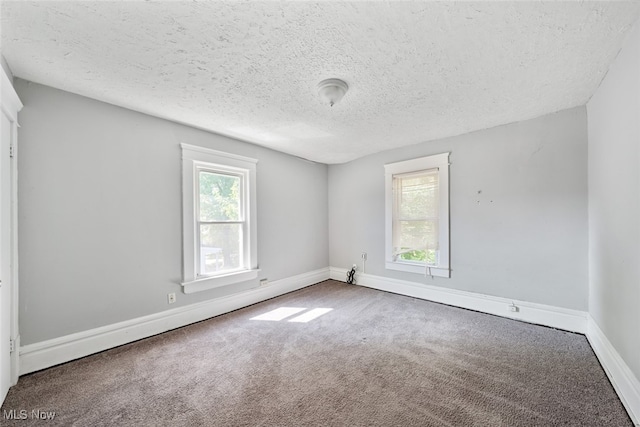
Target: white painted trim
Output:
[(422, 163), (195, 158), (204, 283), (541, 314), (195, 152), (423, 270), (34, 357), (11, 105), (623, 380), (436, 161)]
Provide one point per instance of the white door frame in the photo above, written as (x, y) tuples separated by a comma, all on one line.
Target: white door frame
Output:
[(11, 105)]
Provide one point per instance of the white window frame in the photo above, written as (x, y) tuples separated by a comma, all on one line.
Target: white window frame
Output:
[(437, 161), (194, 160)]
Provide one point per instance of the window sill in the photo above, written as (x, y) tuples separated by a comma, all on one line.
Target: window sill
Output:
[(419, 269), (205, 283)]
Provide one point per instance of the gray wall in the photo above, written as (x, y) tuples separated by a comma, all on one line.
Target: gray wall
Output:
[(523, 237), (100, 213), (614, 203), (100, 206)]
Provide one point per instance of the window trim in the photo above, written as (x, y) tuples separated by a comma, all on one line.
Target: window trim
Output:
[(195, 159), (441, 162)]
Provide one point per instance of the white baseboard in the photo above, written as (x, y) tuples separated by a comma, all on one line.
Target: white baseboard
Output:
[(541, 314), (623, 380), (34, 357)]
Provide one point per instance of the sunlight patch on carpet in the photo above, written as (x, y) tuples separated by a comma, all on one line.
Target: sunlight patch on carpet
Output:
[(310, 315), (279, 313), (284, 312)]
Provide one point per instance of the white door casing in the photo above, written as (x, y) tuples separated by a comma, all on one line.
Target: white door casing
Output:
[(9, 336)]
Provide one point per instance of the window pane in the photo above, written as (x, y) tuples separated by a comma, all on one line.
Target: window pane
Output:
[(428, 257), (220, 248), (219, 197), (416, 240), (417, 196), (415, 225)]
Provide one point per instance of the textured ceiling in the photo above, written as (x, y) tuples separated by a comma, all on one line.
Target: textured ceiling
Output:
[(417, 71)]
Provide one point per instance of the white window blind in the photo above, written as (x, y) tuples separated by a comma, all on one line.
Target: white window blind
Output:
[(416, 217)]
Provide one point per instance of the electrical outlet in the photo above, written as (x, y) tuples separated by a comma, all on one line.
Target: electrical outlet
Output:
[(264, 282), (364, 256), (514, 308), (171, 298)]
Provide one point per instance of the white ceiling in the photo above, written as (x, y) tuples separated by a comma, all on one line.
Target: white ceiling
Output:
[(417, 71)]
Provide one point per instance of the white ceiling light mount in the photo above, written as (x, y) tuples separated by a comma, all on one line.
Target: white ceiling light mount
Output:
[(332, 90)]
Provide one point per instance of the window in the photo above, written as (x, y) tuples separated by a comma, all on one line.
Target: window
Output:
[(417, 215), (219, 212)]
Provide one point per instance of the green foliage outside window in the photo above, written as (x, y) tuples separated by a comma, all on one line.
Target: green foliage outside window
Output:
[(428, 257), (219, 197), (220, 203)]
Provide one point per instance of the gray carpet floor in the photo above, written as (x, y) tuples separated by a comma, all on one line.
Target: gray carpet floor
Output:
[(375, 359)]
